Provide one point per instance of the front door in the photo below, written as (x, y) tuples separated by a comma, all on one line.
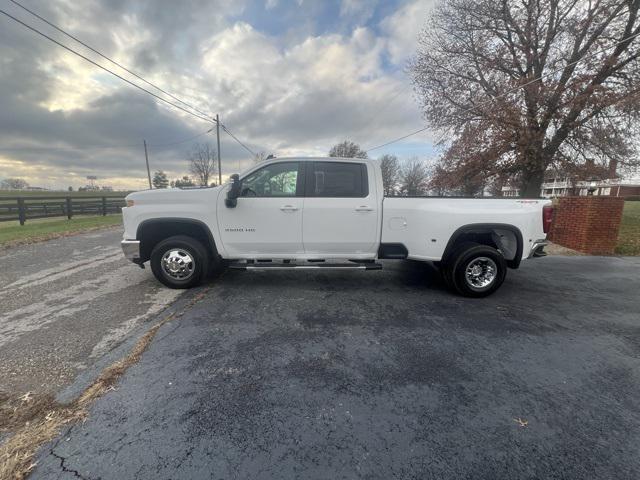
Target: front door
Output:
[(267, 221), (340, 212)]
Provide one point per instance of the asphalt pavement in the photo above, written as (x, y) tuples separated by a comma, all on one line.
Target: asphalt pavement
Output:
[(380, 374), (64, 304)]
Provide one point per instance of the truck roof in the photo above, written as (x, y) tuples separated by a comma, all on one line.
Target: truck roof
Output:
[(321, 159), (270, 161)]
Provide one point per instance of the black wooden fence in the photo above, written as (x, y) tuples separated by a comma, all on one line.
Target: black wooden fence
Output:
[(29, 208)]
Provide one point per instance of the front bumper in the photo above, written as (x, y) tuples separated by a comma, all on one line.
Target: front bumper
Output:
[(131, 250), (537, 249)]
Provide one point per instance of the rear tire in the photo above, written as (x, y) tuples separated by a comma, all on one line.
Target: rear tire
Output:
[(180, 262), (446, 267), (475, 270)]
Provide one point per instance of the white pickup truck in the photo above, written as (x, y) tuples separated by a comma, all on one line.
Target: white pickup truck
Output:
[(327, 213)]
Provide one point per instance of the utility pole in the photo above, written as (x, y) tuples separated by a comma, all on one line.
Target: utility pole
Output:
[(146, 157), (218, 138)]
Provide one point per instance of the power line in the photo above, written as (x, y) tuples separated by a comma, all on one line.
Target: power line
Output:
[(64, 32), (236, 139), (203, 115), (181, 141), (395, 140), (206, 119), (515, 89)]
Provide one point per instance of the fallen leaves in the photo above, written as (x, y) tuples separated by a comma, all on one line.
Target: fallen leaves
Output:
[(521, 422)]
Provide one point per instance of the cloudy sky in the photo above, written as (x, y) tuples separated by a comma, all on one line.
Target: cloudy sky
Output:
[(289, 77)]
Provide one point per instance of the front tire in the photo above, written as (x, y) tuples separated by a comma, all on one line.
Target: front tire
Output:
[(179, 262), (477, 270)]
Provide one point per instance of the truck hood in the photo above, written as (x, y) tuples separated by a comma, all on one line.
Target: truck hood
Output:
[(172, 195)]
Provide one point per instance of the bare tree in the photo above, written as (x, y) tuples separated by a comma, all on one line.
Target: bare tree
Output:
[(202, 163), (260, 157), (347, 149), (13, 184), (390, 173), (414, 178), (530, 85)]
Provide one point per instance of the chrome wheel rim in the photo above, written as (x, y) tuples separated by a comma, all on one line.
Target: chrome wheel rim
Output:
[(178, 264), (481, 273)]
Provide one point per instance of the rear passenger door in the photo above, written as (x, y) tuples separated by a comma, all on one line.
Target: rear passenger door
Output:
[(340, 216)]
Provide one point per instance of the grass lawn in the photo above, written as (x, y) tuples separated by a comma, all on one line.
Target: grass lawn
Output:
[(43, 229), (629, 237)]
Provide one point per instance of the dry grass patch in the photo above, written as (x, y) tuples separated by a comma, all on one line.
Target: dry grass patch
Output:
[(13, 234)]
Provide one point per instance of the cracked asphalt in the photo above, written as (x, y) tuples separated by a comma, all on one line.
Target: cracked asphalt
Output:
[(380, 375)]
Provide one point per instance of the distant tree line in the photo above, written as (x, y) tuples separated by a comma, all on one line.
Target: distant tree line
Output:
[(13, 184)]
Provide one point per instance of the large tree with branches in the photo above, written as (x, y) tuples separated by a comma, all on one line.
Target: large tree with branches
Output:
[(521, 87)]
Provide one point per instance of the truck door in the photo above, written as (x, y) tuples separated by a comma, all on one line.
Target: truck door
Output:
[(267, 220), (340, 212)]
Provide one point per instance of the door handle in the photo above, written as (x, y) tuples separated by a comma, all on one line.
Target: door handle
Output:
[(288, 208), (364, 208)]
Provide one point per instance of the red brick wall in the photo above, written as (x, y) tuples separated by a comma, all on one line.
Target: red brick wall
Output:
[(625, 191), (587, 224)]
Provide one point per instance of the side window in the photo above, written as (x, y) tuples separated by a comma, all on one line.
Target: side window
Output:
[(336, 179), (275, 180)]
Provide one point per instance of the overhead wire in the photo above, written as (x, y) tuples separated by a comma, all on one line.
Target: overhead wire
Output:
[(201, 115), (163, 145), (94, 50), (204, 116), (226, 129), (105, 68)]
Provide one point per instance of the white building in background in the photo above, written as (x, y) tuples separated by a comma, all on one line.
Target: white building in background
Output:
[(562, 187)]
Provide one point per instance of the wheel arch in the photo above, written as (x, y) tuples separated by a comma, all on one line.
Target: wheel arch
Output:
[(498, 235), (152, 231)]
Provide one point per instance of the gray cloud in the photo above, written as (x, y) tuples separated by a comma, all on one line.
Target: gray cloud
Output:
[(291, 94)]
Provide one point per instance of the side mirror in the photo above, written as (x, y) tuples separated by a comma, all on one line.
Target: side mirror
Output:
[(234, 192)]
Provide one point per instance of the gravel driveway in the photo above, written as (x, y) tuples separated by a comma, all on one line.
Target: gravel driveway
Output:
[(380, 375), (66, 302)]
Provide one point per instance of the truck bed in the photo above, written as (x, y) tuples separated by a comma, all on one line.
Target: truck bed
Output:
[(424, 225)]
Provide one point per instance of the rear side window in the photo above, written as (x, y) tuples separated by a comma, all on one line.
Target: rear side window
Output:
[(335, 179)]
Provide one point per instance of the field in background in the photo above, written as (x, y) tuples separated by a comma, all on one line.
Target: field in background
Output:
[(12, 233), (629, 237)]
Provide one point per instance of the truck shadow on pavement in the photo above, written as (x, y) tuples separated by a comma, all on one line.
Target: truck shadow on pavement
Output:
[(408, 273), (406, 294)]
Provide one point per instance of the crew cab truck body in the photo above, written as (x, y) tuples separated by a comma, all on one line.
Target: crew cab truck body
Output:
[(327, 213)]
